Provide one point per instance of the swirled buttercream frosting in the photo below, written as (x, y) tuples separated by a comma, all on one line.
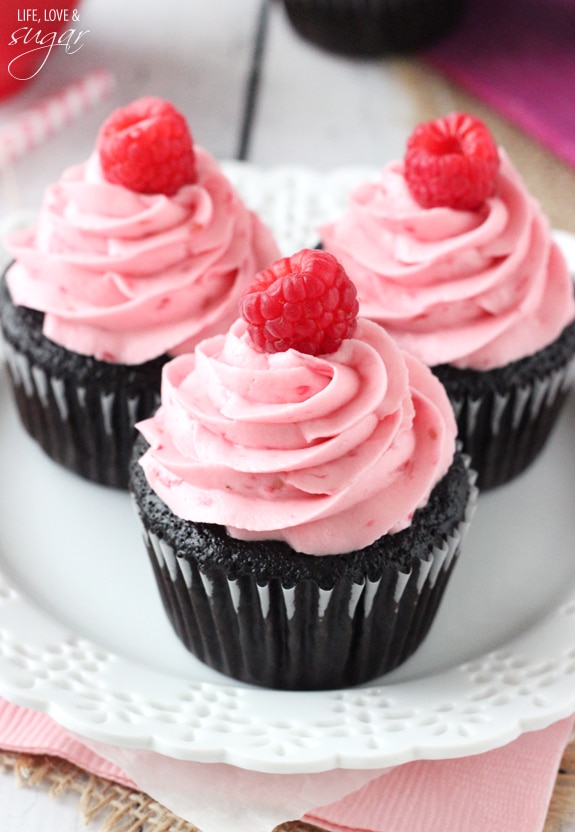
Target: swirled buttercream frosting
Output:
[(327, 453), (471, 288), (126, 276)]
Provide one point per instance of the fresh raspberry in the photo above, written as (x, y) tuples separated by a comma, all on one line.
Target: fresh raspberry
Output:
[(147, 147), (452, 161), (305, 302)]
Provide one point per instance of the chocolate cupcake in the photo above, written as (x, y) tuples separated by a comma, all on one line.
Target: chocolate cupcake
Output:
[(452, 255), (371, 28), (81, 411), (506, 415), (300, 492), (136, 256)]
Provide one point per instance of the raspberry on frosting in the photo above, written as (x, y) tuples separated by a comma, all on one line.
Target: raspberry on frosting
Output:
[(452, 161), (476, 289), (130, 276), (305, 302), (147, 147)]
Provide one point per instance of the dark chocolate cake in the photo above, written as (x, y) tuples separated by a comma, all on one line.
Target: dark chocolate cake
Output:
[(265, 614)]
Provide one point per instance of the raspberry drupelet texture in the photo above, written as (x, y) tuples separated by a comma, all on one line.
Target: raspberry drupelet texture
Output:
[(305, 302), (452, 162), (147, 147)]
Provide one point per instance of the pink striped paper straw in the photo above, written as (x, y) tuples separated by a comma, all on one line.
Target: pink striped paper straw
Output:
[(33, 126)]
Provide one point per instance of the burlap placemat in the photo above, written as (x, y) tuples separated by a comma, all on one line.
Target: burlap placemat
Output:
[(107, 806)]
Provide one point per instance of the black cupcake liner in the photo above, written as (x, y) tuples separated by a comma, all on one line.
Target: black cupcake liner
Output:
[(370, 28), (505, 416), (320, 623), (80, 411)]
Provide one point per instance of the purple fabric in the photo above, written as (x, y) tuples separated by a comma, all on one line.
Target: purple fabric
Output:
[(519, 57)]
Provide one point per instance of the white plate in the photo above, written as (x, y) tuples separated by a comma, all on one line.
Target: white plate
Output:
[(83, 636)]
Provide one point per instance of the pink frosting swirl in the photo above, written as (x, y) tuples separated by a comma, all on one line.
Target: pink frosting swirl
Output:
[(126, 276), (473, 289), (326, 452)]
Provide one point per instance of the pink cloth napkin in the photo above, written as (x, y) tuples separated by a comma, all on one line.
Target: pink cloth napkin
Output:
[(507, 789), (519, 57)]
